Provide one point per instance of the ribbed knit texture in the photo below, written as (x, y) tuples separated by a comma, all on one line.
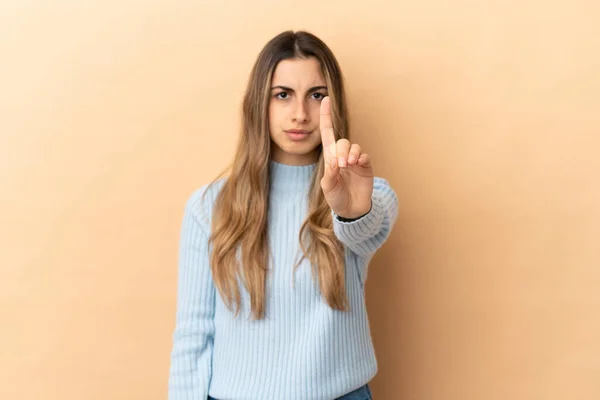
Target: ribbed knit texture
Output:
[(302, 350)]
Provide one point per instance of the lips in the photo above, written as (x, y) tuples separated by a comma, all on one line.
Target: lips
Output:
[(297, 134)]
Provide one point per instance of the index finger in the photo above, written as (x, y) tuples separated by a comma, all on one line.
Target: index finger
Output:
[(325, 124)]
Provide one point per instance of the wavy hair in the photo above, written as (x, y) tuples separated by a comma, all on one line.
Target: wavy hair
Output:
[(239, 223)]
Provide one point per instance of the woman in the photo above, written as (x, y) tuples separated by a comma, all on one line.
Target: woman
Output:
[(273, 259)]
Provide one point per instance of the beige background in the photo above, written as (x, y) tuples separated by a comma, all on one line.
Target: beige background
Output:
[(482, 114)]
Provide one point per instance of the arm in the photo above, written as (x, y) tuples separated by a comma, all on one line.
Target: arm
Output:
[(367, 203), (191, 355), (368, 233)]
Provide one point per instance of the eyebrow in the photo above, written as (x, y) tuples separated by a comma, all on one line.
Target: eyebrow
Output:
[(312, 89)]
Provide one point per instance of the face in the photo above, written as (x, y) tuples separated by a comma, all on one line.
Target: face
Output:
[(297, 89)]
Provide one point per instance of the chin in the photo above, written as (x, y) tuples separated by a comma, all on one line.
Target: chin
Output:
[(301, 151), (296, 148)]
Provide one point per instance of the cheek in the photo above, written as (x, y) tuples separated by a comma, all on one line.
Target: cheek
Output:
[(315, 111), (272, 119), (274, 114)]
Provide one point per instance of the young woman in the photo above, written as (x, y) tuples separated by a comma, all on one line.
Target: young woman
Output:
[(273, 258)]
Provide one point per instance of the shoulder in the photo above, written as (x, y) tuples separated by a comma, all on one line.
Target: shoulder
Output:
[(381, 182), (385, 194), (200, 202), (382, 185)]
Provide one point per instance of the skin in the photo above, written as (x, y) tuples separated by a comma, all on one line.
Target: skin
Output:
[(299, 101), (296, 107)]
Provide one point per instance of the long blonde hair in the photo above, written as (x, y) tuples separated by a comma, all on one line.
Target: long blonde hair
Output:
[(239, 220)]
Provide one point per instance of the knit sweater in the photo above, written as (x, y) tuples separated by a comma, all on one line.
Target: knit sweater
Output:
[(303, 349)]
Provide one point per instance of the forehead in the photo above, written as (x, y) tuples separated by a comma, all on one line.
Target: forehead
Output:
[(298, 73)]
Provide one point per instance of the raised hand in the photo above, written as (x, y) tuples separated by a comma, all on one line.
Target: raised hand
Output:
[(348, 179)]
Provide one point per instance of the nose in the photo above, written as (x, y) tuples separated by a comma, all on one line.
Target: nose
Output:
[(300, 112)]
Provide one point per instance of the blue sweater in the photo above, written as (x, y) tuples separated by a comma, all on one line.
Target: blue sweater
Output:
[(302, 350)]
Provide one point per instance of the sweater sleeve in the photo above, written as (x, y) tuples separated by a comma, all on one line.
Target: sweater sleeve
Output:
[(365, 235), (191, 354)]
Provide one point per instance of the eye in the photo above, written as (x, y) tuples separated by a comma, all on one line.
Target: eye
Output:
[(281, 95), (318, 96)]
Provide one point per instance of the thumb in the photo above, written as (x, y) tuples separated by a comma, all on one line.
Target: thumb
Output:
[(330, 176)]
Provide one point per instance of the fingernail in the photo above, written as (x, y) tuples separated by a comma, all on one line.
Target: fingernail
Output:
[(342, 162), (351, 159)]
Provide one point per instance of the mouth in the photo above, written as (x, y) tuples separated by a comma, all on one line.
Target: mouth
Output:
[(297, 134)]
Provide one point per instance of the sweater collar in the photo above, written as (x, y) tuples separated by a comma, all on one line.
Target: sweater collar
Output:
[(290, 178)]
